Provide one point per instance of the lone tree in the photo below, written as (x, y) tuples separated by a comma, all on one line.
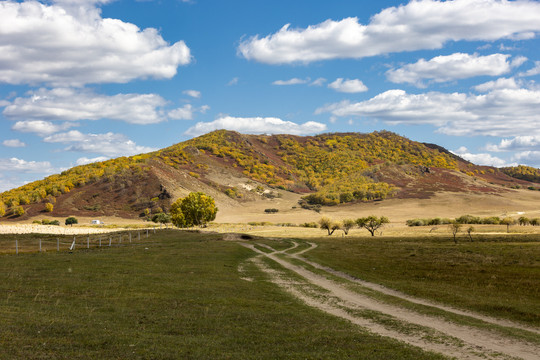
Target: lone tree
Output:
[(71, 220), (196, 209), (329, 225), (470, 230), (508, 221), (372, 223), (347, 225), (454, 228)]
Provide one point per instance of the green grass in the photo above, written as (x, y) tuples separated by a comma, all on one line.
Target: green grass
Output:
[(178, 297), (497, 276)]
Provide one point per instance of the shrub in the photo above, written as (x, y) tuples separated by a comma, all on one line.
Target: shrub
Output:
[(54, 222), (310, 225), (18, 211), (271, 211), (49, 207)]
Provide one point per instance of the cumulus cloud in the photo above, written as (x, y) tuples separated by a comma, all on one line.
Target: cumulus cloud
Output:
[(500, 112), (183, 113), (108, 144), (70, 44), (528, 157), (502, 83), (256, 125), (13, 143), (293, 81), (531, 72), (85, 160), (186, 112), (518, 143), (40, 127), (69, 104), (348, 86), (23, 166), (480, 159), (452, 67), (193, 93), (423, 24)]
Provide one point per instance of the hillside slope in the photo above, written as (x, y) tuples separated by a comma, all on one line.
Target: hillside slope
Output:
[(323, 170)]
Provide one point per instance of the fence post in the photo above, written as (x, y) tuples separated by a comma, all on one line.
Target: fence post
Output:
[(39, 245), (130, 237), (16, 246), (120, 239), (88, 242), (110, 241), (139, 234), (57, 244), (99, 240), (72, 247), (154, 229), (147, 233)]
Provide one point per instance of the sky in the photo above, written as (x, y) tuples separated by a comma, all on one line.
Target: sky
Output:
[(89, 80)]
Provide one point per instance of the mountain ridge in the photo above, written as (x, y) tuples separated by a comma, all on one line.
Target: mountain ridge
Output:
[(327, 169)]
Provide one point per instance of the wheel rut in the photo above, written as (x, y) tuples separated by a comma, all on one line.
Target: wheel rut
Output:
[(431, 333)]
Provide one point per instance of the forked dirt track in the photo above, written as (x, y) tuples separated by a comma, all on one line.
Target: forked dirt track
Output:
[(431, 333)]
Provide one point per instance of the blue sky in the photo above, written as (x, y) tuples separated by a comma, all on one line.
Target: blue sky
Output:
[(89, 80)]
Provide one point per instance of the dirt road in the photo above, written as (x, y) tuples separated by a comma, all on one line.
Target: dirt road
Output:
[(355, 300)]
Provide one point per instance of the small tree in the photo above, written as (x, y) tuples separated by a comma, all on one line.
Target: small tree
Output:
[(508, 221), (523, 221), (372, 223), (347, 225), (455, 227), (49, 207), (2, 209), (470, 230), (71, 220), (329, 225), (196, 209)]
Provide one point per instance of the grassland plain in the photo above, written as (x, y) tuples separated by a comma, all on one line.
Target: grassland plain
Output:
[(179, 296), (498, 275)]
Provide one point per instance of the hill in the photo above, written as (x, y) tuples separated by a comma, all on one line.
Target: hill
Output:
[(322, 170)]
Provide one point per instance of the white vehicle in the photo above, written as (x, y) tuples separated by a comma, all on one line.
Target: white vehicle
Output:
[(97, 222)]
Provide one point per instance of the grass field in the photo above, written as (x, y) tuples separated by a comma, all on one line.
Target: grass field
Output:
[(495, 275), (178, 296)]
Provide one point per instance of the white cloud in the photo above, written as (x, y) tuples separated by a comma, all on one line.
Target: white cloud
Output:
[(480, 159), (423, 24), (186, 112), (85, 160), (13, 143), (40, 127), (256, 125), (82, 104), (293, 81), (71, 44), (500, 112), (348, 86), (19, 165), (518, 143), (318, 82), (502, 83), (531, 72), (532, 158), (233, 81), (108, 144), (452, 67), (183, 113), (193, 93)]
